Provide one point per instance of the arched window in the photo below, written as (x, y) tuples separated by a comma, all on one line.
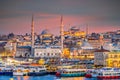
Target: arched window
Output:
[(37, 54), (26, 55), (48, 54)]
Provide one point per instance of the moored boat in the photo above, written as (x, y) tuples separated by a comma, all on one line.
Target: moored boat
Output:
[(21, 70), (8, 70), (104, 73), (71, 73), (37, 71)]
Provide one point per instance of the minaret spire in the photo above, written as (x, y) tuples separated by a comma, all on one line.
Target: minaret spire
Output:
[(32, 35), (61, 32), (87, 30)]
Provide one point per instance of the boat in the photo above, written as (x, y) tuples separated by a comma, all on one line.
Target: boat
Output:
[(71, 73), (1, 69), (37, 71), (104, 73), (19, 71), (8, 70)]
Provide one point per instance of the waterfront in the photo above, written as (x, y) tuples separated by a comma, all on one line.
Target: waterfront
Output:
[(46, 77)]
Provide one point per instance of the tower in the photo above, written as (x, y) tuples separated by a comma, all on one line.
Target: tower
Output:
[(87, 30), (32, 37), (61, 33)]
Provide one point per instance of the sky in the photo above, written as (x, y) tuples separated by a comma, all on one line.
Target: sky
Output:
[(97, 15)]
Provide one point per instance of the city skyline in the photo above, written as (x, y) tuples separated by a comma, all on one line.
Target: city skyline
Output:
[(98, 15)]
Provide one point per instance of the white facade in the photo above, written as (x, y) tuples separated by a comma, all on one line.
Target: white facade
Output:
[(100, 57), (47, 52)]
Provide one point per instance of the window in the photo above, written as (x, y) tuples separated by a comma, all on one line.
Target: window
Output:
[(110, 56), (37, 54), (115, 56), (51, 53)]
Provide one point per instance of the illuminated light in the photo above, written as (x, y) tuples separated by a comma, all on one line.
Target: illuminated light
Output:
[(66, 53), (26, 77), (66, 32), (41, 61)]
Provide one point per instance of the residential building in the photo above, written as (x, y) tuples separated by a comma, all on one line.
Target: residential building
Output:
[(100, 57)]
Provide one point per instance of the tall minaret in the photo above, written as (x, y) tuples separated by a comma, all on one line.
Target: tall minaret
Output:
[(86, 29), (61, 33), (32, 37)]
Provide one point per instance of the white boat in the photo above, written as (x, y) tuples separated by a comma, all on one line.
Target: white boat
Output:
[(37, 70), (8, 70), (105, 72), (20, 71)]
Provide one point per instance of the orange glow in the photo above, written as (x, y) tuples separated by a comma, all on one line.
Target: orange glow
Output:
[(52, 23)]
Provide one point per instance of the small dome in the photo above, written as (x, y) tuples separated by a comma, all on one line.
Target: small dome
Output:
[(45, 32)]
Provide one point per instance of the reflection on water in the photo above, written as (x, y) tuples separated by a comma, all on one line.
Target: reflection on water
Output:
[(47, 77), (82, 78), (26, 77), (18, 78), (21, 78), (73, 78)]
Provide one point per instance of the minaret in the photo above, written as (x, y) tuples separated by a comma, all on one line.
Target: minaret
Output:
[(61, 33), (32, 37), (87, 30)]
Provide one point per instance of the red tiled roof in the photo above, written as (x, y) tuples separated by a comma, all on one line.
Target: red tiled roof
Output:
[(102, 50)]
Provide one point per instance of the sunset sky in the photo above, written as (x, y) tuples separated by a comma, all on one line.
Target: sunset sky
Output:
[(98, 15)]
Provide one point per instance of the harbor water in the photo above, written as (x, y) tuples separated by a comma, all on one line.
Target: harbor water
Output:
[(46, 77)]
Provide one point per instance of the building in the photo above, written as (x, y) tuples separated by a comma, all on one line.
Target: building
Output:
[(113, 59), (95, 43), (23, 51), (47, 46), (49, 52), (100, 57), (87, 50)]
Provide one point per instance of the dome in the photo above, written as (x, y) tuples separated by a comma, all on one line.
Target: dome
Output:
[(86, 45), (111, 46), (45, 32), (74, 28)]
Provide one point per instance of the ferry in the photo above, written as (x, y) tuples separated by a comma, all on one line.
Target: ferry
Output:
[(20, 71), (71, 73), (104, 73), (7, 70), (37, 71)]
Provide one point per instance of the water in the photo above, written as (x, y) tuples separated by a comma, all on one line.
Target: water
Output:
[(47, 77)]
